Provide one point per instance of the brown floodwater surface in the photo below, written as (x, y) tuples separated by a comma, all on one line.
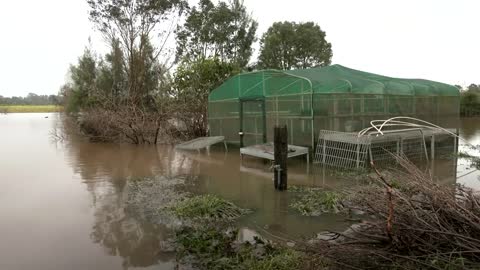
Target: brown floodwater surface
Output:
[(62, 202)]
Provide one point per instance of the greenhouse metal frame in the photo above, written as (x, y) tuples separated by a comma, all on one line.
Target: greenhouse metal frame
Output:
[(247, 106)]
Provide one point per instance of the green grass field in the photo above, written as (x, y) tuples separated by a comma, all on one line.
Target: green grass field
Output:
[(30, 108)]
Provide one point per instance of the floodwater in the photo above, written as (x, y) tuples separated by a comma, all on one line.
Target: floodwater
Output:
[(62, 201)]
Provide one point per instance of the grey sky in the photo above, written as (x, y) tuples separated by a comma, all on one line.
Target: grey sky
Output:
[(431, 39)]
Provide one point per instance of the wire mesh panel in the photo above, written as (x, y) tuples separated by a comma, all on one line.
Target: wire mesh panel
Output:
[(347, 150), (224, 119), (415, 148), (341, 149), (408, 143), (253, 122), (382, 150), (445, 145)]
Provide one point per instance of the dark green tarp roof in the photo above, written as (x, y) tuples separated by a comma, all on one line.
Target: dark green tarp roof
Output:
[(337, 78), (334, 79)]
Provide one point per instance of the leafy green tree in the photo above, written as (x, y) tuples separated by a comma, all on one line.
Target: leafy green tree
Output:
[(474, 88), (83, 86), (214, 43), (290, 45), (224, 31), (470, 101), (193, 82), (111, 78), (137, 25)]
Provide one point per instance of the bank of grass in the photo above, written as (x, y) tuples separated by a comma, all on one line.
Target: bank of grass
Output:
[(208, 207), (30, 108), (211, 248), (211, 241), (316, 201)]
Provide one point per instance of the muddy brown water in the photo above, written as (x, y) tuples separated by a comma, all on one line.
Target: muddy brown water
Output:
[(62, 203)]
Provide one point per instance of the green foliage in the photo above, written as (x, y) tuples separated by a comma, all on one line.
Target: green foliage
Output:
[(134, 15), (193, 82), (103, 82), (290, 45), (455, 263), (315, 201), (213, 44), (135, 67), (82, 88), (111, 73), (214, 249), (470, 101), (224, 31), (208, 207)]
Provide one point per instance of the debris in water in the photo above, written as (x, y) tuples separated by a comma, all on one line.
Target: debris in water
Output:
[(151, 198)]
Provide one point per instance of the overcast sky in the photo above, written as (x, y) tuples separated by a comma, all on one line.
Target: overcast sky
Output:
[(431, 39)]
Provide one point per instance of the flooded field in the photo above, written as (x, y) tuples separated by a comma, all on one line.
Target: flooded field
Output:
[(63, 200)]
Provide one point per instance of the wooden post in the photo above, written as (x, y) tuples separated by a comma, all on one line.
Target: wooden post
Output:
[(280, 148)]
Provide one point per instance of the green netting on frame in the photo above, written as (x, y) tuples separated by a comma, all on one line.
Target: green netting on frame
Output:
[(329, 98)]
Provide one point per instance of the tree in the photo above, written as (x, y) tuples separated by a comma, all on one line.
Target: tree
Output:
[(224, 31), (111, 77), (83, 76), (193, 82), (474, 88), (470, 101), (290, 45), (134, 24)]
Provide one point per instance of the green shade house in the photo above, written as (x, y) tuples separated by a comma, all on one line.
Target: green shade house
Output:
[(247, 106)]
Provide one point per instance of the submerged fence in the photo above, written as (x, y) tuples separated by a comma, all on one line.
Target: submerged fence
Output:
[(349, 150)]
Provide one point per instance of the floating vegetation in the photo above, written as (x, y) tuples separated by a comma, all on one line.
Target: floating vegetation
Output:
[(151, 198), (316, 201), (215, 247), (208, 207), (211, 248)]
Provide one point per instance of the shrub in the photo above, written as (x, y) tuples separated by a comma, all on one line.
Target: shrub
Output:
[(315, 201), (211, 248), (208, 207), (423, 224)]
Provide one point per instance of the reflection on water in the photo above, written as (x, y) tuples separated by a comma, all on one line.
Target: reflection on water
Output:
[(469, 130), (64, 203)]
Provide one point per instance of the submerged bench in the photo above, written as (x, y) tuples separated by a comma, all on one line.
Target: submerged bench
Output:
[(201, 142), (265, 151)]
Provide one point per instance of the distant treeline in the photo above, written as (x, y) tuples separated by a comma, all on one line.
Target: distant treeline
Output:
[(31, 99), (470, 100)]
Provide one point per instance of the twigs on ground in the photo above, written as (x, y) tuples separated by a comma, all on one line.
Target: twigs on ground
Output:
[(389, 191), (418, 223)]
